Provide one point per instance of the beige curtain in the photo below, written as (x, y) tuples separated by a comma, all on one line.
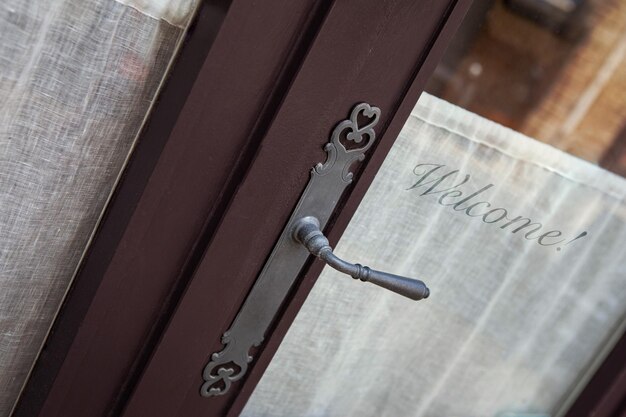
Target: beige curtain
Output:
[(522, 300), (76, 80)]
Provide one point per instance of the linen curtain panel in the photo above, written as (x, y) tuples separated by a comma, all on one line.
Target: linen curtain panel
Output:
[(76, 80), (523, 249)]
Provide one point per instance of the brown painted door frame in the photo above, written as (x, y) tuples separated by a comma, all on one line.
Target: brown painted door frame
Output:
[(379, 52), (249, 103)]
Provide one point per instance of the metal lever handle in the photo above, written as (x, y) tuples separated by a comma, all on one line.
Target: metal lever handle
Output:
[(307, 232)]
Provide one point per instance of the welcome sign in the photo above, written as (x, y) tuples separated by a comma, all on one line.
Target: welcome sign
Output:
[(523, 249), (470, 205)]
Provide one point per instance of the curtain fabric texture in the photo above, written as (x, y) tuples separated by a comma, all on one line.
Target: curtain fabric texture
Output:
[(76, 80), (519, 310)]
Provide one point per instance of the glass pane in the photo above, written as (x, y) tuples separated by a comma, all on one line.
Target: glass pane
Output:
[(551, 69), (518, 233), (77, 78)]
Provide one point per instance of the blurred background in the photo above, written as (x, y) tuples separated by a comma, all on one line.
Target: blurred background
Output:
[(551, 69)]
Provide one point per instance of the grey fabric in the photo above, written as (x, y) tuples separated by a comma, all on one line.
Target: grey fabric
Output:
[(512, 323), (76, 79)]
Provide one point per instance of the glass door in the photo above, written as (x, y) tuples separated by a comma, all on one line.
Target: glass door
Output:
[(77, 79), (505, 193)]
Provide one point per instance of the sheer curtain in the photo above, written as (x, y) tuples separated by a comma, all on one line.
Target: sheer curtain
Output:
[(77, 78), (522, 246)]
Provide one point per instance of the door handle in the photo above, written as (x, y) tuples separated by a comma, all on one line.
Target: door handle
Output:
[(307, 232), (349, 141)]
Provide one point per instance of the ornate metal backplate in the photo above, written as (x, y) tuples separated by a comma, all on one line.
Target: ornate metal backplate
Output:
[(348, 143)]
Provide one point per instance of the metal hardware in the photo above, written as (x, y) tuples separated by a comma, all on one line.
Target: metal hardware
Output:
[(307, 232), (326, 185)]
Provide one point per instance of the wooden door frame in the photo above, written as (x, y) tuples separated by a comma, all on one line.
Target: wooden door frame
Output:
[(196, 154), (172, 194)]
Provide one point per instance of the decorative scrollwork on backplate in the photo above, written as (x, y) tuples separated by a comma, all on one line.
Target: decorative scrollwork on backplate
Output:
[(328, 181), (226, 366), (337, 151)]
